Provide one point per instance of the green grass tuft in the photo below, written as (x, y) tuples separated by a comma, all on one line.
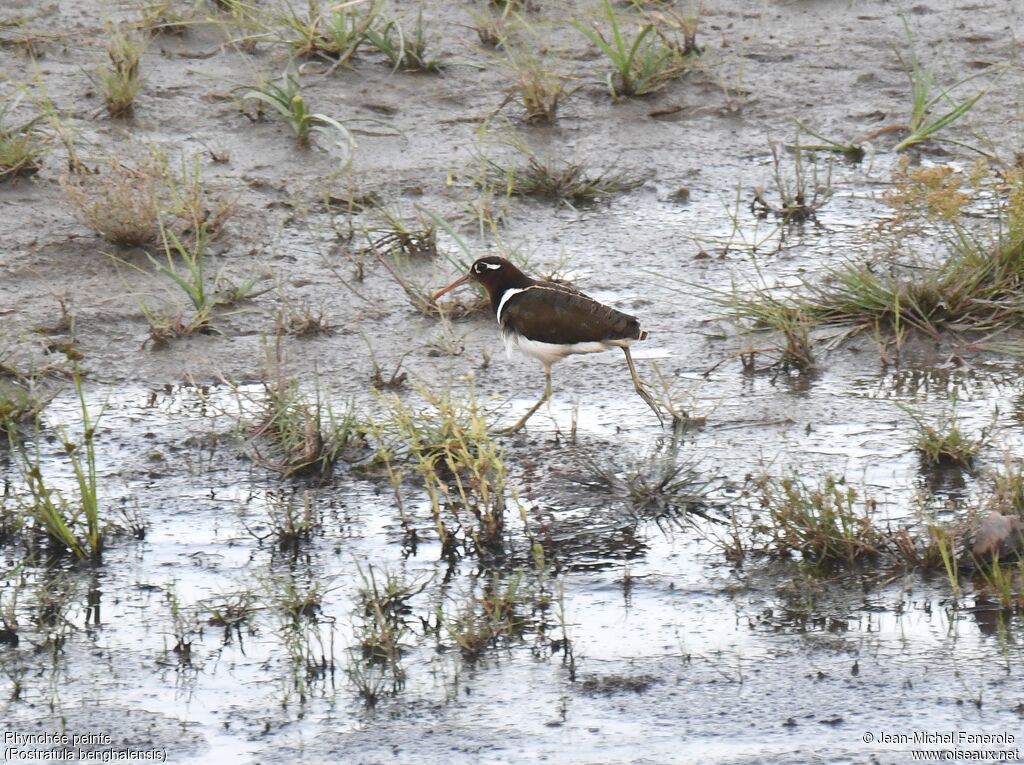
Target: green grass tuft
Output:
[(73, 524), (447, 446), (120, 80), (286, 99), (826, 524), (561, 180), (22, 145), (405, 52), (643, 63)]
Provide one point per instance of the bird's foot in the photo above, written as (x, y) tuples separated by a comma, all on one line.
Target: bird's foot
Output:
[(649, 400), (511, 430)]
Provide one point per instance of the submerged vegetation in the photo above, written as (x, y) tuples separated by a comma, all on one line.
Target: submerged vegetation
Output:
[(71, 524), (826, 524), (447, 447), (944, 442), (665, 485)]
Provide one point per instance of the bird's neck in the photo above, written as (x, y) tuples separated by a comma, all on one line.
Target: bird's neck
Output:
[(519, 281)]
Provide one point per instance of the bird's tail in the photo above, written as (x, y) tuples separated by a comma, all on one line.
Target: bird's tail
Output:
[(642, 334)]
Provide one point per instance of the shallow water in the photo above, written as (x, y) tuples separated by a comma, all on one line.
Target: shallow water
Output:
[(674, 652)]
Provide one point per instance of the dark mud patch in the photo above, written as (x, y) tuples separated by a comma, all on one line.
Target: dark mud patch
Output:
[(612, 684)]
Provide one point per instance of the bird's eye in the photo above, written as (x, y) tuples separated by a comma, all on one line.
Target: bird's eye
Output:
[(479, 268)]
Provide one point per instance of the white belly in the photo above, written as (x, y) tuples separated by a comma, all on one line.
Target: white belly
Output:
[(549, 353)]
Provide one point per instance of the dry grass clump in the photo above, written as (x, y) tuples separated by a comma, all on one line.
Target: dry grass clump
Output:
[(494, 29), (167, 17), (301, 321), (188, 206), (297, 430), (127, 204), (933, 193), (536, 87), (302, 433), (419, 293), (119, 203), (165, 326), (20, 154), (392, 234)]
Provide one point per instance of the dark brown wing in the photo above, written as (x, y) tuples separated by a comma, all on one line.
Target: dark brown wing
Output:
[(550, 313)]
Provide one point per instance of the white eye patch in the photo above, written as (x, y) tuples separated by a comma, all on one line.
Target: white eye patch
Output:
[(481, 266)]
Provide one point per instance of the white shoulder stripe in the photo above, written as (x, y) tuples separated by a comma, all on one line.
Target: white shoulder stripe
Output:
[(575, 293), (504, 299)]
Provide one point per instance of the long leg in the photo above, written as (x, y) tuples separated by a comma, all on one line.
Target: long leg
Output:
[(640, 389), (547, 394)]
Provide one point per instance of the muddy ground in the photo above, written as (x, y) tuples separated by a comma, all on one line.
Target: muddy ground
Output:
[(644, 643)]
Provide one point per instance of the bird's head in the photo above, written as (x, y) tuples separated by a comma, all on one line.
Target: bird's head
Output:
[(494, 273)]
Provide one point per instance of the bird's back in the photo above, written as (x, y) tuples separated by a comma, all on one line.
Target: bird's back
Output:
[(554, 313)]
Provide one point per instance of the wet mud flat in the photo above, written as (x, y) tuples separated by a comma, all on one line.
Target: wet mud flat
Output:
[(314, 546)]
